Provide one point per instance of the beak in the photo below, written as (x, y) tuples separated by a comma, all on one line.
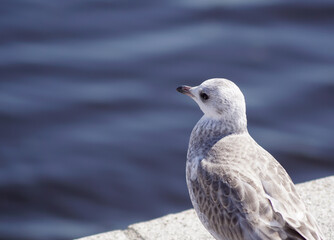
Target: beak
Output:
[(185, 90)]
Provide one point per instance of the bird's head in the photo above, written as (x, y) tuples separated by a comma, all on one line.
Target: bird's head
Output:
[(219, 99)]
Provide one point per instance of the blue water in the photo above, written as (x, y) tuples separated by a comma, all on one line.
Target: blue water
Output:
[(93, 133)]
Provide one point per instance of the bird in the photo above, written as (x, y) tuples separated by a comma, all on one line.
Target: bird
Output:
[(238, 189)]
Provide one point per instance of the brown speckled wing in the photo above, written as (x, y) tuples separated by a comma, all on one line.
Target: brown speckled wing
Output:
[(249, 196), (226, 205)]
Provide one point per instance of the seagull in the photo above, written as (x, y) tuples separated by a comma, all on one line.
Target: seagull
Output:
[(239, 191)]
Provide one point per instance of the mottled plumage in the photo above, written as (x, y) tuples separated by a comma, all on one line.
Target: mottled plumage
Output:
[(237, 188)]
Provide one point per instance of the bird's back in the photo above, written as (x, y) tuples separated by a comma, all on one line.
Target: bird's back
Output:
[(241, 192)]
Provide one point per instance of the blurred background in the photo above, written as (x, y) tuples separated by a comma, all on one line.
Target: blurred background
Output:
[(94, 135)]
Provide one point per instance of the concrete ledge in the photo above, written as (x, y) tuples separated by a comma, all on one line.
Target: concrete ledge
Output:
[(318, 196)]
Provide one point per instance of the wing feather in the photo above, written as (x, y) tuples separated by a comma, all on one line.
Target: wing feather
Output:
[(248, 195)]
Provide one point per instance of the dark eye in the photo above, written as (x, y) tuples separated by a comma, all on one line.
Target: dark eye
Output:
[(204, 96)]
